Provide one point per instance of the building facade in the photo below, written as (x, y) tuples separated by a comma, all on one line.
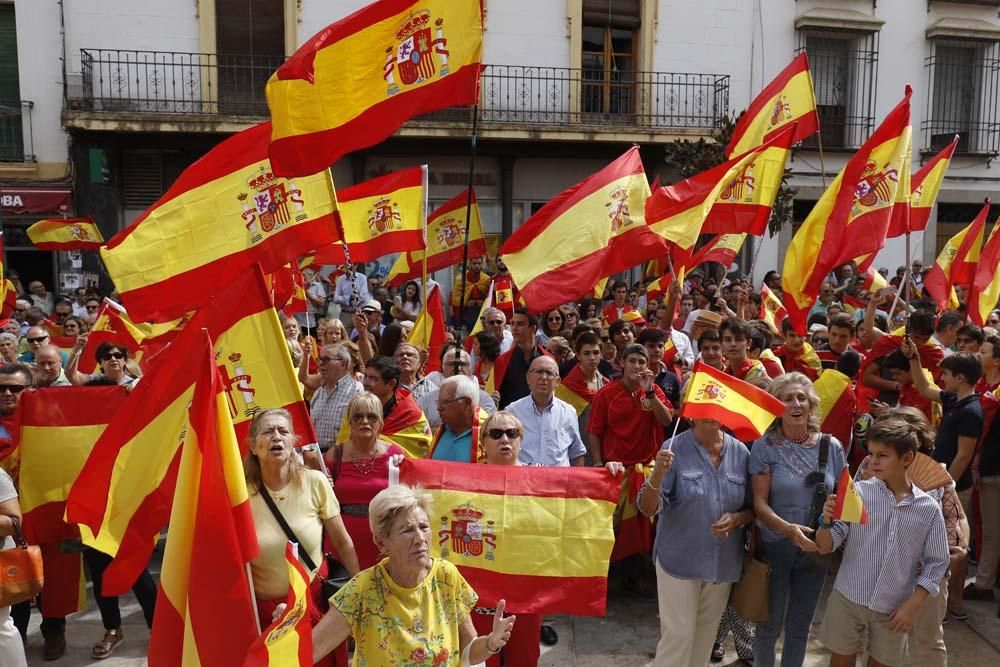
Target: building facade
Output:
[(110, 99)]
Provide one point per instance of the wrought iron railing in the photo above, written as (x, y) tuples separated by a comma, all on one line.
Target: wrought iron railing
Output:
[(964, 85), (117, 80), (15, 131)]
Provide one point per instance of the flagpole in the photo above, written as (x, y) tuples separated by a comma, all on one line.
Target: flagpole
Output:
[(677, 423), (468, 223), (253, 596), (819, 131), (349, 267)]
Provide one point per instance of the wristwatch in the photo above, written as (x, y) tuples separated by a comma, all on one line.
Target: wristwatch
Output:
[(826, 526)]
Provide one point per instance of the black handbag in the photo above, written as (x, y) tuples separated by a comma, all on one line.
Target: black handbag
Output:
[(336, 574), (830, 561)]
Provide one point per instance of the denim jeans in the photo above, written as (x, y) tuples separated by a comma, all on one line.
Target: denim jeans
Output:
[(795, 587)]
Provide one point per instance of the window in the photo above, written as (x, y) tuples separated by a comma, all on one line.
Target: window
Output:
[(610, 36), (11, 127), (844, 67), (964, 81), (250, 43)]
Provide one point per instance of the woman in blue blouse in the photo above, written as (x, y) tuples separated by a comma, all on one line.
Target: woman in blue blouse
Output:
[(700, 487), (784, 464)]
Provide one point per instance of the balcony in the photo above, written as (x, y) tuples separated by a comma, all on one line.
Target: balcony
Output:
[(15, 131), (964, 81), (156, 90)]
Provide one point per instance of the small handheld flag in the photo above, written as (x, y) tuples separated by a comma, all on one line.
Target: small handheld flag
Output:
[(287, 641), (850, 507), (739, 406)]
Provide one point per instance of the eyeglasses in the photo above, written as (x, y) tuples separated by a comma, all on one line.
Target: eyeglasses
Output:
[(40, 339), (92, 307), (361, 418), (442, 403), (543, 373), (497, 433), (113, 355), (12, 388), (555, 319), (325, 360)]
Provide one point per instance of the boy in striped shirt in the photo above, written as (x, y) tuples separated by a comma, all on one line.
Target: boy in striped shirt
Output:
[(892, 564)]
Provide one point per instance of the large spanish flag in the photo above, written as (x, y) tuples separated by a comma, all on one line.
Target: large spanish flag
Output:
[(924, 188), (734, 197), (850, 507), (205, 610), (540, 538), (123, 494), (429, 331), (852, 217), (739, 406), (956, 263), (985, 292), (594, 229), (357, 80), (788, 100), (66, 234), (287, 642), (772, 311), (225, 213), (380, 217), (445, 240)]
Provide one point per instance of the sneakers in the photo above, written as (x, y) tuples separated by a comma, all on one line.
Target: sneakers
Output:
[(973, 592)]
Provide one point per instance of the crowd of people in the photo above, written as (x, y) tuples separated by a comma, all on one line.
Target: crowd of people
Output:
[(601, 382)]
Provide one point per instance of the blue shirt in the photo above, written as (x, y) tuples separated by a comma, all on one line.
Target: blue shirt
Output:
[(903, 545), (551, 437), (789, 464), (451, 447), (694, 495)]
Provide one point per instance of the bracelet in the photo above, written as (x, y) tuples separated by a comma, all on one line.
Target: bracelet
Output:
[(824, 525), (488, 649), (652, 486)]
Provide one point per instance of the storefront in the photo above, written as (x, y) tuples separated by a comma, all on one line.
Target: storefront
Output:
[(20, 207)]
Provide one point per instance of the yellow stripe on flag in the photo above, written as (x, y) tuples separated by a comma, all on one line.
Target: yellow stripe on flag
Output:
[(50, 464), (406, 205), (790, 104), (849, 508), (578, 402)]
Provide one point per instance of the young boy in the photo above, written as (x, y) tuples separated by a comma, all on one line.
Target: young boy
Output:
[(892, 564)]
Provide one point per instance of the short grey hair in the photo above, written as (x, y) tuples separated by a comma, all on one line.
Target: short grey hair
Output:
[(796, 379), (8, 336), (494, 311), (395, 501), (465, 387), (339, 352)]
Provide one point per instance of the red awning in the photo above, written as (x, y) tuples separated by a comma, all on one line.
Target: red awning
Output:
[(35, 199)]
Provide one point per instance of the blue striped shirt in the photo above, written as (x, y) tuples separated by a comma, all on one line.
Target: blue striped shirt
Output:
[(904, 545)]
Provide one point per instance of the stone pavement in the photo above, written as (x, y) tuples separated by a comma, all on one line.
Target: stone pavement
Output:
[(626, 637)]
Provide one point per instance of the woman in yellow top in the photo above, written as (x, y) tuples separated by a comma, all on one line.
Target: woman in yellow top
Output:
[(306, 502), (409, 609)]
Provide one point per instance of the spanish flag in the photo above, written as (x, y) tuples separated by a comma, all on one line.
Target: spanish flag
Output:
[(837, 405), (357, 80), (8, 295), (225, 213), (772, 311), (739, 406), (734, 197), (58, 427), (985, 292), (956, 264), (406, 425), (66, 234), (574, 390), (925, 185), (380, 217), (594, 229), (445, 240), (212, 538), (788, 100), (722, 249), (540, 538), (111, 326), (122, 496), (851, 218), (429, 331), (288, 290), (849, 508), (288, 640)]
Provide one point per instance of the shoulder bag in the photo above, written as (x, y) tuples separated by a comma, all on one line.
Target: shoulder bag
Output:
[(830, 561), (21, 573), (336, 574)]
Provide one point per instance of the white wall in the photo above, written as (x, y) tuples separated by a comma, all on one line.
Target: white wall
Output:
[(40, 73)]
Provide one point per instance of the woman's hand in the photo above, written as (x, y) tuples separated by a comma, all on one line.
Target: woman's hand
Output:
[(663, 462), (615, 468), (396, 459), (799, 536), (81, 342), (726, 524), (307, 346), (502, 628)]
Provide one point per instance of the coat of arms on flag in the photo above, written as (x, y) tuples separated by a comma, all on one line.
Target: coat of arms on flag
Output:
[(468, 534), (413, 55)]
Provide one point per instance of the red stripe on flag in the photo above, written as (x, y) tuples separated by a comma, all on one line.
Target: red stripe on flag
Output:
[(69, 406), (163, 645), (366, 251), (406, 178), (528, 594)]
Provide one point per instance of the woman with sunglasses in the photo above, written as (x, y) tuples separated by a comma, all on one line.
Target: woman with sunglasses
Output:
[(784, 468), (551, 325), (74, 326), (111, 359), (359, 469)]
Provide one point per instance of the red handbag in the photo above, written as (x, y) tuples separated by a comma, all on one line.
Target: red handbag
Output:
[(21, 573)]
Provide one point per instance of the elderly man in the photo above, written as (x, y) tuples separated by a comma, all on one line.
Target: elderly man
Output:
[(37, 337), (551, 430), (456, 438), (337, 388), (495, 322), (511, 367), (48, 367), (454, 362), (40, 297), (408, 357)]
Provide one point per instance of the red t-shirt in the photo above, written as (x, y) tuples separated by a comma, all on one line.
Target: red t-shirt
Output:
[(629, 433)]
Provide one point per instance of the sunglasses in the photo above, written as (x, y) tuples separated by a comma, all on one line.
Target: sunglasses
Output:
[(495, 323), (113, 355), (12, 388), (497, 433), (40, 339), (361, 418), (92, 307)]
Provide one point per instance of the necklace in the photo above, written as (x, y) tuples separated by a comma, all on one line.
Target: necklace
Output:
[(364, 464), (799, 441)]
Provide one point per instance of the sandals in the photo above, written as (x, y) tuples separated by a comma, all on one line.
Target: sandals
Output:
[(104, 648)]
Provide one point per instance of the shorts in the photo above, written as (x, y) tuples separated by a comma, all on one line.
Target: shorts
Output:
[(850, 628)]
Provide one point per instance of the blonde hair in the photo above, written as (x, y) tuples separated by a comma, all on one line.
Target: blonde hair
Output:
[(365, 401), (251, 464), (295, 350), (335, 323), (794, 379), (393, 502), (484, 428)]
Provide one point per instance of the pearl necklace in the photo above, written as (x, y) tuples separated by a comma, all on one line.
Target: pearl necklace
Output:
[(799, 441)]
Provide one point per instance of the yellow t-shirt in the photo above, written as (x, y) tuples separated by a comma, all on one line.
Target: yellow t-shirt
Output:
[(305, 506), (416, 627)]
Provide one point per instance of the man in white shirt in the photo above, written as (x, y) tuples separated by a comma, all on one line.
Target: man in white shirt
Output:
[(344, 295), (551, 430)]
